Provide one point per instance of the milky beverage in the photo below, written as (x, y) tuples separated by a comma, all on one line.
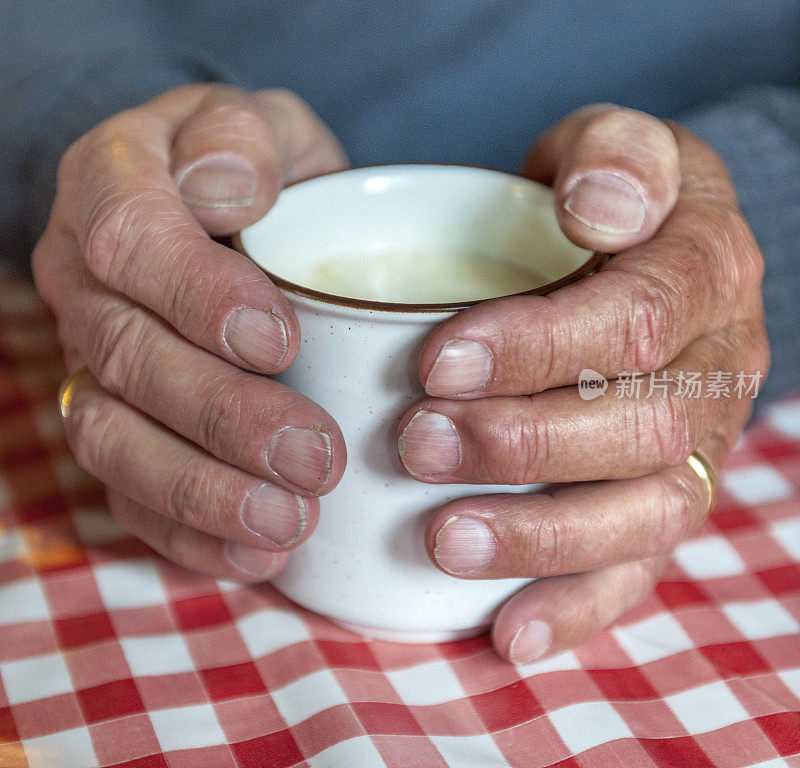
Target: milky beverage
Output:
[(419, 276)]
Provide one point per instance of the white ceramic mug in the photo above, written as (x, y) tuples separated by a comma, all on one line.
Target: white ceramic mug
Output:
[(365, 566)]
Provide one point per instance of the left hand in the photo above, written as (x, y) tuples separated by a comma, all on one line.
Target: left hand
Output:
[(682, 294)]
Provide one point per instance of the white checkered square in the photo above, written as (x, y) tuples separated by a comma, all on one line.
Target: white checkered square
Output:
[(654, 638), (22, 600), (35, 677), (587, 724), (156, 655), (756, 484), (787, 532), (307, 696), (470, 751), (65, 749), (130, 584), (785, 418), (707, 708), (12, 545), (791, 679), (759, 619), (97, 526), (187, 727), (559, 662), (431, 683), (359, 751), (710, 557), (269, 630)]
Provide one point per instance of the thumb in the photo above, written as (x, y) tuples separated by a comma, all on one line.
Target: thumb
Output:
[(615, 174), (232, 156)]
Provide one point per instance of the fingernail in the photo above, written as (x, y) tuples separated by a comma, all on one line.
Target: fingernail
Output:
[(607, 202), (301, 456), (430, 445), (464, 545), (251, 561), (275, 514), (462, 366), (259, 338), (219, 182), (530, 642)]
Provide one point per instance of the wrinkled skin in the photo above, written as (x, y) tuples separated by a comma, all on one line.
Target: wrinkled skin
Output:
[(220, 469)]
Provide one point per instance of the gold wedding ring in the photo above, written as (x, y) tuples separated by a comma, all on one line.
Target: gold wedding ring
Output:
[(703, 470), (67, 390)]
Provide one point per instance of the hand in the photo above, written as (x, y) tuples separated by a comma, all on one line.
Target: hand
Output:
[(682, 293), (212, 464)]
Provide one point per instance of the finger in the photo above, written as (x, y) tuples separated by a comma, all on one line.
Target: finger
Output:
[(701, 272), (616, 175), (573, 528), (234, 154), (118, 199), (194, 549), (141, 460), (556, 436), (249, 421), (554, 614)]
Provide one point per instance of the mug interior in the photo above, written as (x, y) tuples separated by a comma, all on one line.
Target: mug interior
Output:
[(414, 209)]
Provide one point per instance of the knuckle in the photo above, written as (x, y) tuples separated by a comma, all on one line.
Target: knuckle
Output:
[(120, 338), (220, 413), (187, 494), (92, 436), (522, 447), (112, 225), (632, 127), (546, 552), (682, 507), (650, 319), (670, 428), (235, 118)]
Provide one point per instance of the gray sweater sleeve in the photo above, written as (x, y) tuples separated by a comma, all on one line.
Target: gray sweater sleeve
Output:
[(757, 132), (66, 67)]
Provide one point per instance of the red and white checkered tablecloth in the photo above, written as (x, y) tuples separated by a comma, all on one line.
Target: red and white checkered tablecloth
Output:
[(111, 656)]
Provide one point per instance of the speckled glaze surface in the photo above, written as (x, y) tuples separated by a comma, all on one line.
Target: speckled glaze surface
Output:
[(365, 565)]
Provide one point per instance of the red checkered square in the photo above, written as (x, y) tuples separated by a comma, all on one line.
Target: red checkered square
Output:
[(110, 700), (84, 630), (232, 681), (783, 730), (8, 730), (623, 684), (350, 655), (678, 752), (507, 706), (202, 611), (281, 748)]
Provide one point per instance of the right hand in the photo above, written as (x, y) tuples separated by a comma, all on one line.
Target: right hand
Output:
[(210, 463)]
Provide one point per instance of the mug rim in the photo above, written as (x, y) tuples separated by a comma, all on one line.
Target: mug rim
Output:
[(593, 263)]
